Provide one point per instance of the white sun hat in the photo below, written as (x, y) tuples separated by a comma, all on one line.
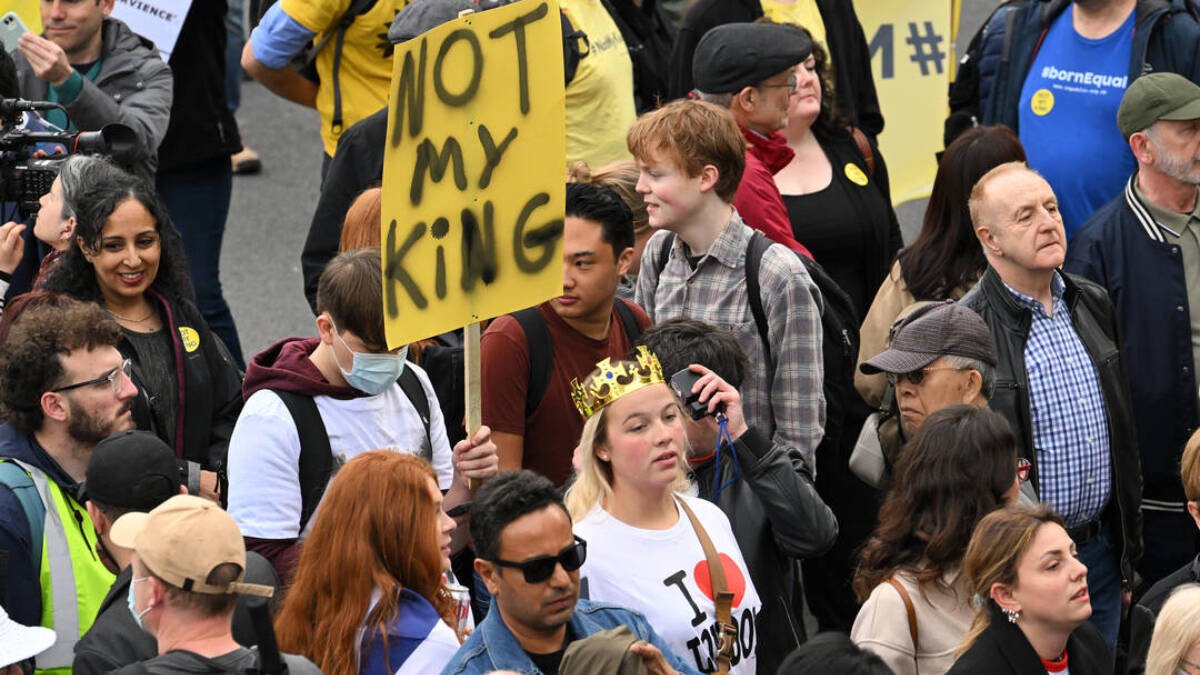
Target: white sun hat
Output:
[(19, 642)]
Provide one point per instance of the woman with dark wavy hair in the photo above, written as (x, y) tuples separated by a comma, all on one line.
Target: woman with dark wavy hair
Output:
[(961, 465), (127, 257), (369, 595), (946, 260)]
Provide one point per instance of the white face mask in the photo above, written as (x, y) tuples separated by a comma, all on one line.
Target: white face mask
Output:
[(371, 373)]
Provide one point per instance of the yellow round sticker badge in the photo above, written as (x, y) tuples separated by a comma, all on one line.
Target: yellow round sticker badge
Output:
[(1042, 102), (191, 339), (855, 174)]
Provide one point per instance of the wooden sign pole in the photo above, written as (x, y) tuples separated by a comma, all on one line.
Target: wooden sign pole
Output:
[(472, 384)]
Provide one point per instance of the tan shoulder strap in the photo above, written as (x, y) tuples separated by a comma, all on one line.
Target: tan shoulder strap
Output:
[(722, 596), (864, 149), (908, 607)]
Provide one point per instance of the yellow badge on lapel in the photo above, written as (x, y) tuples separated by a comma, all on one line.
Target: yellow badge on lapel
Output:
[(191, 339), (855, 174)]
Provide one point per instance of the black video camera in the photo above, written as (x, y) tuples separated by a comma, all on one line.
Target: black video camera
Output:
[(25, 178)]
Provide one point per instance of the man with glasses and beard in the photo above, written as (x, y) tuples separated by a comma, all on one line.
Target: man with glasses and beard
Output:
[(529, 559), (64, 387), (1144, 248)]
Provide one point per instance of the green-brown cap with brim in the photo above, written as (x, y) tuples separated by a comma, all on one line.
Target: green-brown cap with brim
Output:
[(1157, 96)]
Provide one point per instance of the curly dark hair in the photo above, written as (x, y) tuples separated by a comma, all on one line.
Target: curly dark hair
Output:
[(75, 276), (953, 472), (29, 361)]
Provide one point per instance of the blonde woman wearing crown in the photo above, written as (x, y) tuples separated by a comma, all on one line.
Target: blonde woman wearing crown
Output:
[(644, 533)]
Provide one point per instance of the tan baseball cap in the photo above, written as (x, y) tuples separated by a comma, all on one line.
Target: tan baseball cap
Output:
[(183, 540)]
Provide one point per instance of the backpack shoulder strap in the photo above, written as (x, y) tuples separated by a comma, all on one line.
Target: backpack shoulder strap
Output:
[(628, 320), (864, 149), (316, 455), (664, 253), (357, 8), (21, 484), (410, 384), (541, 352), (754, 253)]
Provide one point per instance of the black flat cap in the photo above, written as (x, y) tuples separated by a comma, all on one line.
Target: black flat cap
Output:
[(737, 55), (132, 470)]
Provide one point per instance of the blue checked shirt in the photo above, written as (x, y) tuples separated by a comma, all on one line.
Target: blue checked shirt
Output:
[(1070, 422), (786, 403)]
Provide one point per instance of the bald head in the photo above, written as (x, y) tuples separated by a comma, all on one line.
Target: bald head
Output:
[(1016, 218)]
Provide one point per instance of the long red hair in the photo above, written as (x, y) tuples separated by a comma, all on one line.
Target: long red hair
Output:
[(375, 530)]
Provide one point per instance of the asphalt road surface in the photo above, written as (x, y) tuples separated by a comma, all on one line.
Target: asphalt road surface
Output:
[(269, 217)]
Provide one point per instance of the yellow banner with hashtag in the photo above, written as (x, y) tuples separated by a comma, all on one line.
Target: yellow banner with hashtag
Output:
[(911, 46)]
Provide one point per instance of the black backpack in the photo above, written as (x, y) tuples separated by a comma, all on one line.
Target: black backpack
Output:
[(541, 348), (839, 331), (316, 455)]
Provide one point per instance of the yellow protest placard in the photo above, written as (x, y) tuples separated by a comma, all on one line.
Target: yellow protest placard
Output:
[(473, 185), (29, 11), (911, 45)]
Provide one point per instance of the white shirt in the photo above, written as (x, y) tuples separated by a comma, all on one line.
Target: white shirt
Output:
[(264, 450), (656, 572)]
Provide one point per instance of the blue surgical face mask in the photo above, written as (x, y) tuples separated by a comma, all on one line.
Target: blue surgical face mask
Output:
[(137, 616), (371, 373)]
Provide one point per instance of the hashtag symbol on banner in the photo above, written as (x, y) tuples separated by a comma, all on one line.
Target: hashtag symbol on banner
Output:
[(926, 48)]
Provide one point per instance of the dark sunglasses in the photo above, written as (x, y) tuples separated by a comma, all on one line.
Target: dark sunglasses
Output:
[(541, 568), (916, 377)]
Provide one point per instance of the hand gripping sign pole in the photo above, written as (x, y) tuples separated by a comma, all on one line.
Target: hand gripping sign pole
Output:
[(473, 188)]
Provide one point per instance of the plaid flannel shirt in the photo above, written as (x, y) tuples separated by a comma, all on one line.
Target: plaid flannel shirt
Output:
[(788, 403), (1070, 420)]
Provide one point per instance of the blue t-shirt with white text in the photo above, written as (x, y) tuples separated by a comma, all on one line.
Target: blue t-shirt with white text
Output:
[(1068, 117)]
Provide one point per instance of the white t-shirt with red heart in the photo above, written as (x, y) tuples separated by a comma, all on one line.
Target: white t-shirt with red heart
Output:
[(664, 575)]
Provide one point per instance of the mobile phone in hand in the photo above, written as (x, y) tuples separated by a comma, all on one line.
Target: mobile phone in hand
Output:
[(11, 30)]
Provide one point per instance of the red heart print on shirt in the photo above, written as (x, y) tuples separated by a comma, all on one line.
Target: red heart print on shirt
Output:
[(733, 578)]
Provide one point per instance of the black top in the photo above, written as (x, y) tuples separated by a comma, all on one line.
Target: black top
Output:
[(202, 128), (1144, 614), (1002, 649), (850, 228), (549, 663), (155, 359)]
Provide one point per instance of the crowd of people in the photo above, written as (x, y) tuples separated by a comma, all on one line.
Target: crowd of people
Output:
[(752, 410)]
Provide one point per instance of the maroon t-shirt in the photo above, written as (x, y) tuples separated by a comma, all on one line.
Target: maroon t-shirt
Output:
[(552, 431)]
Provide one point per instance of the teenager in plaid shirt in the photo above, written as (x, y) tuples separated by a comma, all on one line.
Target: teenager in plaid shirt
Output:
[(691, 157)]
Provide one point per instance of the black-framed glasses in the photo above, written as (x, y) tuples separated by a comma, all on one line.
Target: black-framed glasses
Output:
[(541, 568), (112, 378), (916, 377)]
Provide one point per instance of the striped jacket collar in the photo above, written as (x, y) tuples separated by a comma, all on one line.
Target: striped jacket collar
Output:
[(1154, 229)]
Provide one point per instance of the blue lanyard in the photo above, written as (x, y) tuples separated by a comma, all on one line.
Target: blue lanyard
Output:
[(724, 437)]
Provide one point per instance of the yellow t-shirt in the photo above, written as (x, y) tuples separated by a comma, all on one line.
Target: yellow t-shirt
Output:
[(600, 98), (801, 13), (365, 72)]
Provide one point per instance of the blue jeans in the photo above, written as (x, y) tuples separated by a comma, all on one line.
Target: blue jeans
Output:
[(198, 198), (1102, 555)]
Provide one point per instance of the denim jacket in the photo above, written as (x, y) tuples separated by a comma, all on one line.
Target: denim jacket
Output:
[(493, 647)]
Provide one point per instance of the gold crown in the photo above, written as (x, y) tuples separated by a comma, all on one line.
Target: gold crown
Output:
[(609, 382)]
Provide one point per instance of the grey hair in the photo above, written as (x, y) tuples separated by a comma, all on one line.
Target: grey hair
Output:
[(986, 372), (80, 172), (722, 100)]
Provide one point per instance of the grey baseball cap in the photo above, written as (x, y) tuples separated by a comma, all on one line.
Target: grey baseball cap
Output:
[(931, 332), (424, 15)]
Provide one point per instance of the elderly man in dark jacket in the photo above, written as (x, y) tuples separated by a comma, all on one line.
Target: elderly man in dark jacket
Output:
[(1060, 380), (1144, 248), (765, 489)]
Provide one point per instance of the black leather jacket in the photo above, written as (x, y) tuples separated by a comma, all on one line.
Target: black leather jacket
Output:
[(1095, 322), (777, 517)]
